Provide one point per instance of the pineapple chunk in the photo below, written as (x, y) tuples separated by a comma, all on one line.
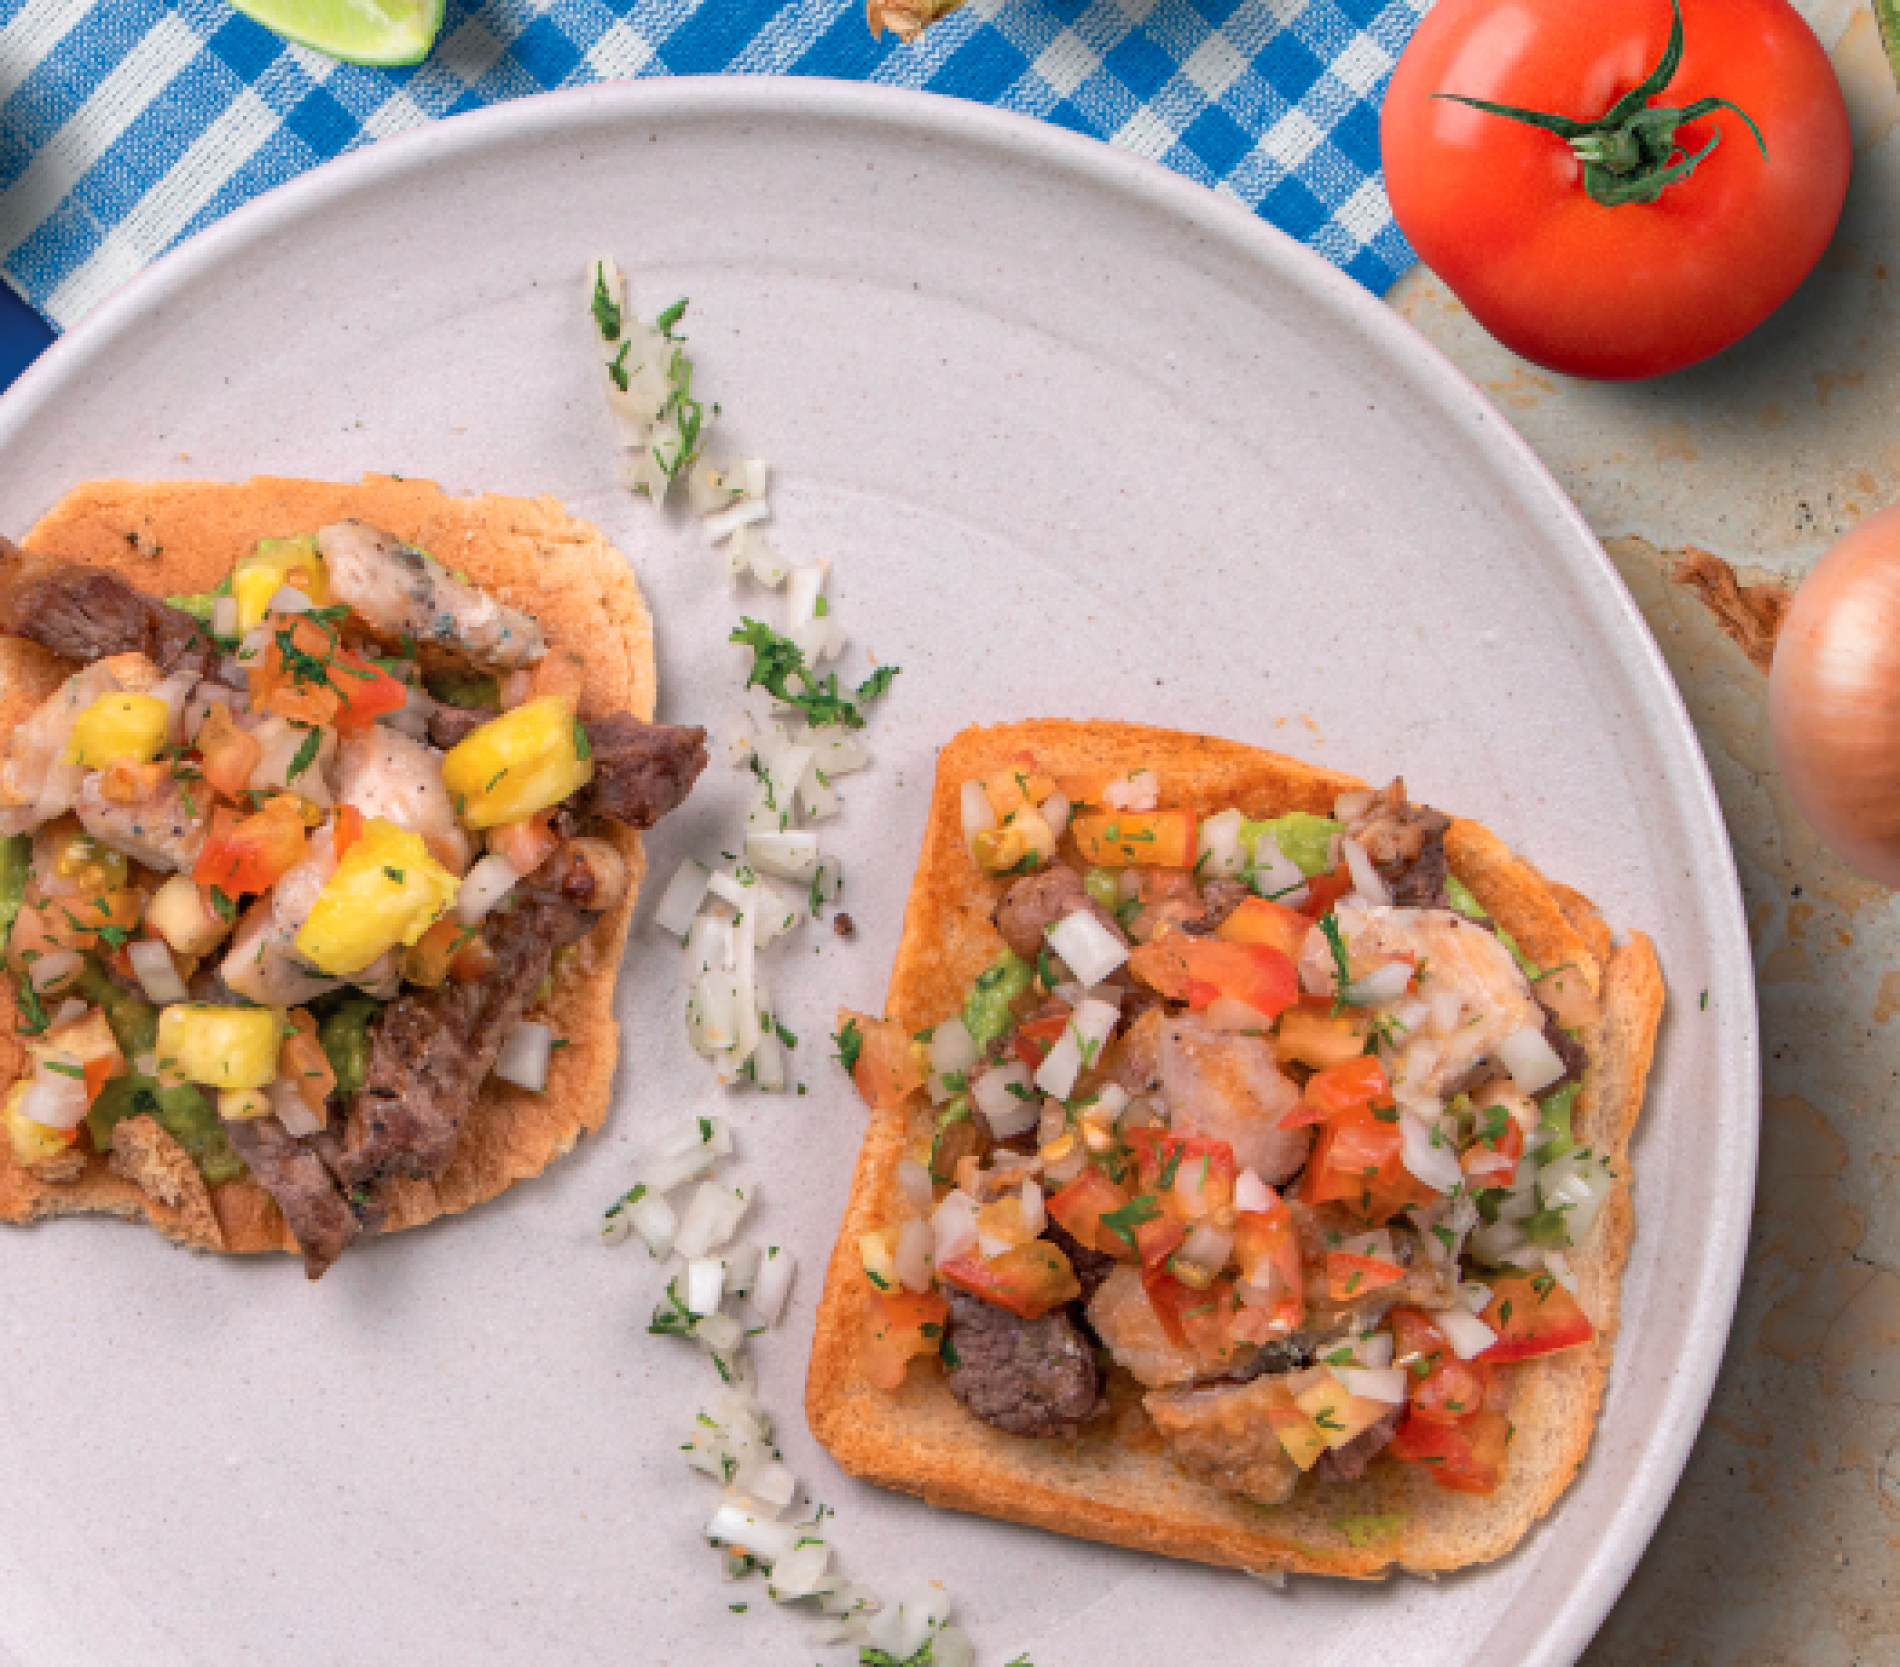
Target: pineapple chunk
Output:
[(524, 761), (119, 729), (243, 1105), (32, 1143), (878, 1254), (221, 1047), (1336, 1412), (1299, 1435), (387, 890), (277, 562), (179, 914)]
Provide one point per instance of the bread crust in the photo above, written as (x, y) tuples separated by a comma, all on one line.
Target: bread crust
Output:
[(1113, 1483), (175, 537)]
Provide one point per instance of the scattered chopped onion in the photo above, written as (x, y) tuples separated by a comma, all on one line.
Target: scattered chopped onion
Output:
[(1434, 1164), (1375, 1351), (723, 523), (55, 968), (54, 1100), (288, 599), (764, 1539), (1532, 1062), (156, 972), (705, 1285), (525, 1054), (774, 1283), (1006, 1113), (979, 815), (1385, 1384), (1468, 1335), (1365, 878), (1578, 1185), (1091, 950), (913, 1180), (1220, 853), (224, 617), (1035, 1215), (1380, 985), (683, 895), (1252, 1195), (916, 1251), (954, 1226), (1055, 810), (1474, 1298), (712, 1217), (791, 855), (1079, 1045), (487, 883), (797, 1574), (952, 1048)]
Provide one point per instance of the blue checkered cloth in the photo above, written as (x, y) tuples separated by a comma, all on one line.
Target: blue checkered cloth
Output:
[(126, 125)]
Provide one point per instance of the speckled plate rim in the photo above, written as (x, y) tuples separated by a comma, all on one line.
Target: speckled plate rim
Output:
[(1596, 1584)]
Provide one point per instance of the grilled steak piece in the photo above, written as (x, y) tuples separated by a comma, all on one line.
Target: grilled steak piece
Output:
[(1037, 901), (641, 770), (433, 1049), (1407, 845), (1028, 1377), (320, 1219), (88, 613), (1219, 899), (451, 725)]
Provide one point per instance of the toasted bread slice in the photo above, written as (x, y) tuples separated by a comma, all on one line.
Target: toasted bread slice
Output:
[(175, 537), (1113, 1482)]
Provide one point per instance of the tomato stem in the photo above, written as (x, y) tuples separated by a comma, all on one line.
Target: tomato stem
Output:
[(1630, 153)]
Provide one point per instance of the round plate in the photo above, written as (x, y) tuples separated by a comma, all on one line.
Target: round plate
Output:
[(1081, 439)]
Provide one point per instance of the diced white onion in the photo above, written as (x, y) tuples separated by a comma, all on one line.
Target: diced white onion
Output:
[(797, 1573), (712, 1217), (1557, 1265), (1220, 854), (768, 1062), (979, 815), (725, 522), (1055, 811), (1080, 1045), (952, 1048), (1385, 1384), (913, 1180), (1580, 1183), (1208, 1246), (1382, 984), (766, 1540), (54, 1100), (224, 616), (1365, 878), (488, 882), (1375, 1351), (524, 1056), (774, 1283), (790, 854), (1434, 1164), (156, 972), (1468, 1335), (1276, 875), (683, 895), (1474, 1298), (1035, 1214), (1252, 1195), (1139, 790), (288, 599), (655, 1221), (705, 1285), (1532, 1062), (54, 968), (954, 1226), (802, 590), (1006, 1113), (1502, 1244), (741, 1263), (916, 1252), (1090, 948)]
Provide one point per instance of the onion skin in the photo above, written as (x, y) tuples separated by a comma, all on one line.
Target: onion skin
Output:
[(1834, 698)]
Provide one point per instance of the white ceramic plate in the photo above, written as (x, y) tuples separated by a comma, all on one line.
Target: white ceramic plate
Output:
[(1081, 439)]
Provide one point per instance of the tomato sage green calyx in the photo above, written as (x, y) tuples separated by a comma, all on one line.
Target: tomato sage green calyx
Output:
[(1630, 153)]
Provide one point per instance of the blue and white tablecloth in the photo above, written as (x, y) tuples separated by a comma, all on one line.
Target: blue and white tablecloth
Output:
[(126, 125)]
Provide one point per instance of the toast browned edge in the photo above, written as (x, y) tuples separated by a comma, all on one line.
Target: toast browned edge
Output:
[(1113, 1483), (175, 537)]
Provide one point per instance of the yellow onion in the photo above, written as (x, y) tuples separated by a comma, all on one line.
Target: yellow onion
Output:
[(1834, 698)]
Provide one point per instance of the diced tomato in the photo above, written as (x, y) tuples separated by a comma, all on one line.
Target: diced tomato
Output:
[(1136, 839), (1196, 1170), (251, 853), (1357, 1163), (1200, 970), (366, 691), (1533, 1315), (1323, 891), (324, 682), (1027, 1279), (526, 844), (1349, 1276), (1313, 1034), (302, 1062), (69, 923), (1493, 1159), (1267, 1251), (1357, 1085), (1200, 1320), (1260, 920), (1033, 1040), (1466, 1457), (348, 829), (899, 1325), (229, 754), (891, 1066), (1158, 1238), (1079, 1207), (1443, 1387)]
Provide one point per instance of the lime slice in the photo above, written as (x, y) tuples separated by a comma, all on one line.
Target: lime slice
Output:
[(357, 31)]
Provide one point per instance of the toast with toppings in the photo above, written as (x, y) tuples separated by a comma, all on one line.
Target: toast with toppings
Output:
[(1248, 1172), (359, 768)]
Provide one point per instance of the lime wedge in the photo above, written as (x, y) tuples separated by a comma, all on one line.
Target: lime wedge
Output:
[(357, 31)]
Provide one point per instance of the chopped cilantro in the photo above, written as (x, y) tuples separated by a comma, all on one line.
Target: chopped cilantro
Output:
[(606, 309), (850, 1042), (306, 755)]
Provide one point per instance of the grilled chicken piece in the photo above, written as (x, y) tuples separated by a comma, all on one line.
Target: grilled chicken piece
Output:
[(397, 591), (1229, 1087)]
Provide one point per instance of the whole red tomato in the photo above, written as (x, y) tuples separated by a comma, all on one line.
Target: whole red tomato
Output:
[(1505, 213)]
